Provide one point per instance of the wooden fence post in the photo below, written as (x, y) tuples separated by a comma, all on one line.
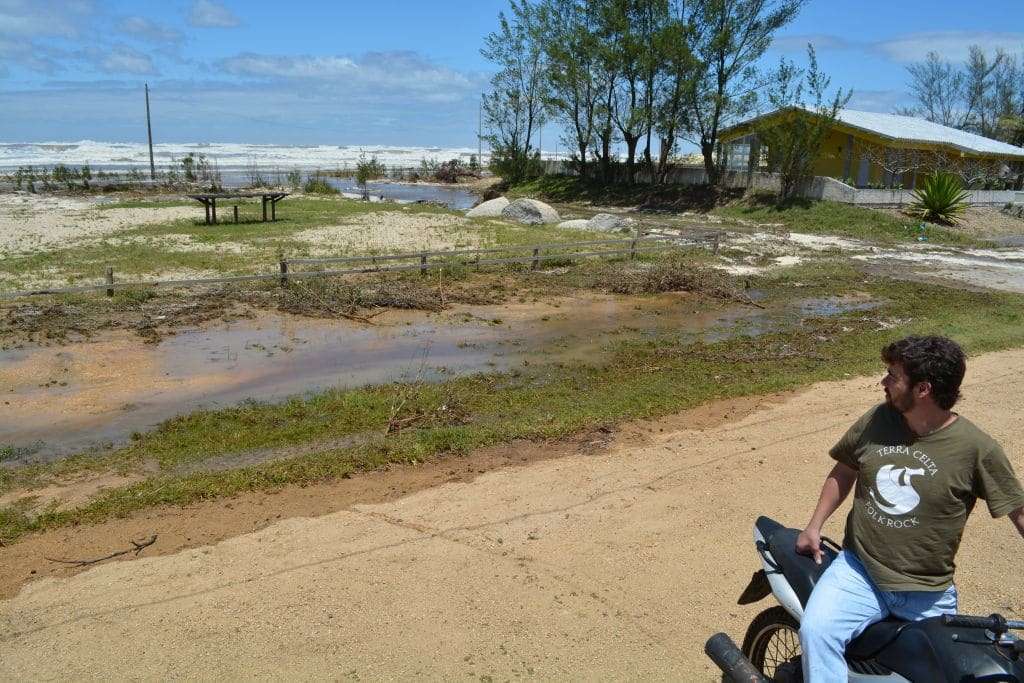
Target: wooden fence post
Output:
[(423, 264), (536, 259), (632, 250), (283, 264), (110, 280), (718, 238), (236, 213)]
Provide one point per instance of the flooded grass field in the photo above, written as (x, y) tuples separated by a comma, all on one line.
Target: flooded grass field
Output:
[(96, 392)]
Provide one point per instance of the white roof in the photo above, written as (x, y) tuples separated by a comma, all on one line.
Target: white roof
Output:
[(913, 129)]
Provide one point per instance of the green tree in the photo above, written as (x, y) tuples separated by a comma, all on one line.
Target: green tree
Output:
[(727, 39), (570, 44), (514, 105), (809, 113), (679, 67)]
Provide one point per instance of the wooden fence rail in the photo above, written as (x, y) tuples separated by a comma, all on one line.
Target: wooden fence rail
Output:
[(570, 250)]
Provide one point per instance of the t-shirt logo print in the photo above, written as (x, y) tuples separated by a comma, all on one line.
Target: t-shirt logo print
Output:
[(893, 492)]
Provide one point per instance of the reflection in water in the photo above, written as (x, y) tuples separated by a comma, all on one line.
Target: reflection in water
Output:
[(454, 197)]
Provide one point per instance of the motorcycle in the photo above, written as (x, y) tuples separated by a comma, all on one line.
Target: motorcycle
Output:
[(947, 648)]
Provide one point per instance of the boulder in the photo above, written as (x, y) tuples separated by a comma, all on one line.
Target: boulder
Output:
[(530, 212), (578, 224), (610, 222), (489, 209)]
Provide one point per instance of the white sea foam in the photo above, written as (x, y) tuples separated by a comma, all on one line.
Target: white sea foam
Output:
[(117, 155)]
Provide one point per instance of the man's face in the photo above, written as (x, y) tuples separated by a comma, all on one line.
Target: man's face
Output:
[(898, 391)]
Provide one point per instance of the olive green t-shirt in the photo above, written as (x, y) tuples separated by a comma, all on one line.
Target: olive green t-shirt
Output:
[(914, 494)]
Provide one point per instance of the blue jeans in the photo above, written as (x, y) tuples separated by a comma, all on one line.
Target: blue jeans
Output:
[(844, 603)]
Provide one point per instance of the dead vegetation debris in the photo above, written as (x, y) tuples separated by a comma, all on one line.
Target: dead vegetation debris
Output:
[(137, 547), (155, 314), (672, 274), (150, 315)]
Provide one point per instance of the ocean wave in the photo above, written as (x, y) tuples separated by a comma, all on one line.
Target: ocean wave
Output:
[(114, 155)]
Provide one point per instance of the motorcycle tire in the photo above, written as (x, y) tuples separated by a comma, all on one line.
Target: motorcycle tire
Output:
[(772, 644)]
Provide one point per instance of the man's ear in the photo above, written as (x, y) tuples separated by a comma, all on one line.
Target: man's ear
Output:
[(922, 389)]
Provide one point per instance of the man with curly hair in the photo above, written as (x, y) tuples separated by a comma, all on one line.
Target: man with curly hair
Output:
[(917, 469)]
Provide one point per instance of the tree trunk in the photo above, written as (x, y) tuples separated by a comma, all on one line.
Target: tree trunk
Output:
[(667, 141), (606, 155), (707, 148), (631, 143)]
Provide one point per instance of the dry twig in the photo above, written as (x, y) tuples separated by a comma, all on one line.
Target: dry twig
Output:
[(137, 547)]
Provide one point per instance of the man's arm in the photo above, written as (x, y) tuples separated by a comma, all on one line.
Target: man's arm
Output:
[(1017, 517), (837, 486)]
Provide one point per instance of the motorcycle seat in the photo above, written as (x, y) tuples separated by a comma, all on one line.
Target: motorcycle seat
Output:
[(874, 639), (800, 571)]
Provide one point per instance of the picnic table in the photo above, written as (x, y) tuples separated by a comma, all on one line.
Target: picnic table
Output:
[(209, 201)]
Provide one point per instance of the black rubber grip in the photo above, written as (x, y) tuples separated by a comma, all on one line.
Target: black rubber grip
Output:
[(737, 668), (992, 623)]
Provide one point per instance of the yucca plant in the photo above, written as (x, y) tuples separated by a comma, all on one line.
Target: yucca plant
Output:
[(940, 198)]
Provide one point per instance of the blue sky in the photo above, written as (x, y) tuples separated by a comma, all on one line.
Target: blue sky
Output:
[(391, 72)]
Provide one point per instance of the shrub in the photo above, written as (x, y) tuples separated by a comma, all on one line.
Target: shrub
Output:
[(940, 198), (317, 185), (449, 171), (367, 171)]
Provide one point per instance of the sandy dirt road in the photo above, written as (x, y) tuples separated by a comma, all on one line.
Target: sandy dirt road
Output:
[(609, 565)]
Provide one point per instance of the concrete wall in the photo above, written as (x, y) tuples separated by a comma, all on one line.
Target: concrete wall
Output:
[(833, 190)]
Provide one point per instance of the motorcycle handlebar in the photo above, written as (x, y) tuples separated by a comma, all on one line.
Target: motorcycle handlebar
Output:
[(995, 623), (737, 668)]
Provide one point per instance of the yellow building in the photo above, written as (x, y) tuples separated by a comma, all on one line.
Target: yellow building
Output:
[(869, 149)]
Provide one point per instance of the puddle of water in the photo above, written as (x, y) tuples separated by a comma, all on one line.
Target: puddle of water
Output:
[(57, 401), (454, 197)]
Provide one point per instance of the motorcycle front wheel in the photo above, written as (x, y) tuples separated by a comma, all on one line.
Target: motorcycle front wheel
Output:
[(772, 644)]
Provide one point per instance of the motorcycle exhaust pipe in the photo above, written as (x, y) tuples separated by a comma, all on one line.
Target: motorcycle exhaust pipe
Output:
[(737, 668)]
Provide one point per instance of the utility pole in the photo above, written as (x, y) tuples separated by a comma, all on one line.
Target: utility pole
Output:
[(480, 132), (149, 132)]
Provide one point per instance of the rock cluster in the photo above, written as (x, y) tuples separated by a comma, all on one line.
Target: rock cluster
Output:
[(489, 209), (530, 212), (602, 222), (526, 211)]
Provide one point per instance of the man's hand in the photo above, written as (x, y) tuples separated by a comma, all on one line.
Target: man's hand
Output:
[(809, 543), (1017, 517)]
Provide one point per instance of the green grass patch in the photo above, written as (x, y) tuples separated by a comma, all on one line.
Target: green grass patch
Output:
[(646, 377), (572, 189), (834, 218)]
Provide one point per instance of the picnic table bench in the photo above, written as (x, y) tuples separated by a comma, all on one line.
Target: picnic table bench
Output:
[(209, 201)]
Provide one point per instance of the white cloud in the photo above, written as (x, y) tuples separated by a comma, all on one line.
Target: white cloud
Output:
[(23, 53), (951, 45), (211, 14), (374, 73), (123, 59), (143, 28), (31, 18), (277, 66)]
